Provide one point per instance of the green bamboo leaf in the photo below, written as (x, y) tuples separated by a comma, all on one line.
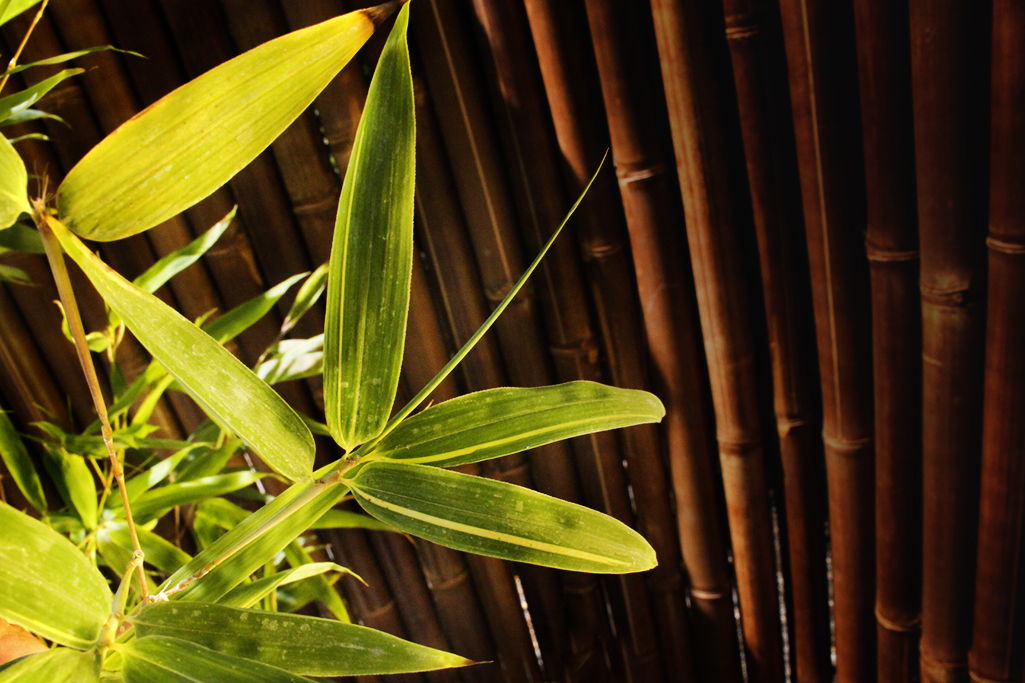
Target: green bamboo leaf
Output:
[(159, 552), (497, 519), (154, 503), (13, 185), (371, 257), (180, 259), (306, 297), (12, 8), (14, 275), (22, 238), (47, 585), (185, 146), (242, 317), (144, 481), (169, 660), (292, 359), (12, 105), (302, 645), (248, 594), (346, 519), (19, 463), (74, 481), (490, 424), (67, 57), (59, 665), (225, 387), (316, 587), (209, 461)]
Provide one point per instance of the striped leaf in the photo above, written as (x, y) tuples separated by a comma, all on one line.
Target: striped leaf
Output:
[(497, 519), (490, 424), (169, 660), (372, 255), (183, 147)]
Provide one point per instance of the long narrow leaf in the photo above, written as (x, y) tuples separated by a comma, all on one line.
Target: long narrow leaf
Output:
[(12, 8), (59, 665), (47, 585), (23, 99), (155, 502), (169, 660), (183, 147), (372, 255), (302, 645), (242, 317), (74, 481), (249, 594), (180, 259), (497, 519), (490, 424), (220, 382), (19, 463), (13, 185)]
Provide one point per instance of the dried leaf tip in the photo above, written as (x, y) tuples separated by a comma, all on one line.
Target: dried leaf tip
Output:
[(381, 12)]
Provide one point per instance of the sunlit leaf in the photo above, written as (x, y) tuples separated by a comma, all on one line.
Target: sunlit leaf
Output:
[(19, 464), (183, 147), (23, 99), (315, 587), (292, 359), (13, 185), (59, 665), (248, 594), (306, 297), (245, 315), (168, 660), (67, 56), (497, 519), (144, 481), (302, 645), (74, 481), (489, 424), (224, 386), (371, 256), (209, 461), (155, 502), (12, 8), (47, 585), (180, 259), (159, 552)]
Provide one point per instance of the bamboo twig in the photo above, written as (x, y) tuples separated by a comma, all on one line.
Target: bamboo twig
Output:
[(24, 41)]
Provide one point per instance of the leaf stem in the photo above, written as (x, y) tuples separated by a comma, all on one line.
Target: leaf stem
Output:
[(67, 296), (24, 41)]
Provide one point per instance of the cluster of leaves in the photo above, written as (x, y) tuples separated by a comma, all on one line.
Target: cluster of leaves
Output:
[(201, 626)]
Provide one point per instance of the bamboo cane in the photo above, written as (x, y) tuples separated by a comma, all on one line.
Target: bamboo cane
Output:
[(817, 39), (749, 35), (949, 49), (696, 114), (997, 653), (885, 76)]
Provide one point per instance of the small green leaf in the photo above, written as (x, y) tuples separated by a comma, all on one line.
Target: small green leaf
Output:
[(13, 105), (225, 387), (372, 255), (12, 8), (144, 481), (67, 57), (169, 660), (209, 461), (306, 297), (19, 463), (156, 502), (242, 317), (302, 645), (47, 585), (346, 519), (59, 665), (497, 519), (180, 259), (248, 594), (14, 275), (159, 552), (74, 481), (490, 424), (185, 146), (13, 185)]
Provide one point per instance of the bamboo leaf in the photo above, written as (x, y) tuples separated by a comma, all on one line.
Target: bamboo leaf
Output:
[(14, 275), (346, 519), (180, 259), (490, 424), (497, 519), (13, 185), (159, 552), (371, 257), (22, 238), (209, 461), (67, 57), (302, 645), (14, 104), (155, 502), (12, 8), (59, 665), (185, 146), (47, 585), (224, 386), (19, 463), (248, 594), (146, 480), (306, 297), (75, 483), (242, 317), (292, 359), (168, 660)]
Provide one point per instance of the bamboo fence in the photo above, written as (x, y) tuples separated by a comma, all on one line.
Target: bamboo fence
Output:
[(790, 230)]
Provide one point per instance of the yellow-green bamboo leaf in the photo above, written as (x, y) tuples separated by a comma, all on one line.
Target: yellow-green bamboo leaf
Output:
[(497, 519), (59, 665), (13, 185), (220, 382), (372, 255), (186, 145)]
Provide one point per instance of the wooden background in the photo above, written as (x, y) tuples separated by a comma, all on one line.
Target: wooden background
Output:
[(825, 289)]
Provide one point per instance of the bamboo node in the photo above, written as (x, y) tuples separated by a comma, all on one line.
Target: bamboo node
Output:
[(629, 175), (328, 203), (596, 251), (845, 446), (707, 594), (934, 665), (878, 255), (450, 582), (912, 626), (742, 32), (949, 298), (980, 678), (1005, 247), (585, 348), (738, 447), (373, 615)]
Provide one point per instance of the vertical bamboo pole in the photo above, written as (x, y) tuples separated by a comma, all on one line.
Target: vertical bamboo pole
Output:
[(666, 294), (816, 39), (950, 78), (683, 30), (884, 63), (778, 227), (997, 640)]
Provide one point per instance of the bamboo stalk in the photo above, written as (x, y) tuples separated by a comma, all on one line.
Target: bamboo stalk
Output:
[(666, 295), (817, 39), (696, 113), (885, 76), (996, 652), (762, 127), (949, 48)]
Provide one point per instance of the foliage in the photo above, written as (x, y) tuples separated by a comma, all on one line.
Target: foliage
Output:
[(200, 623)]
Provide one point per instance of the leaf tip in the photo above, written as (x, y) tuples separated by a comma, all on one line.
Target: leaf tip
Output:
[(380, 13)]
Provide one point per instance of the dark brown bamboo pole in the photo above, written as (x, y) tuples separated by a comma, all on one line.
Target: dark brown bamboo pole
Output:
[(998, 642), (950, 78), (714, 232), (884, 69), (817, 40), (666, 294), (779, 232)]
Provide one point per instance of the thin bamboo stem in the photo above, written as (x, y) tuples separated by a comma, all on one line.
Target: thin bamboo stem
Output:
[(24, 41), (997, 653)]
